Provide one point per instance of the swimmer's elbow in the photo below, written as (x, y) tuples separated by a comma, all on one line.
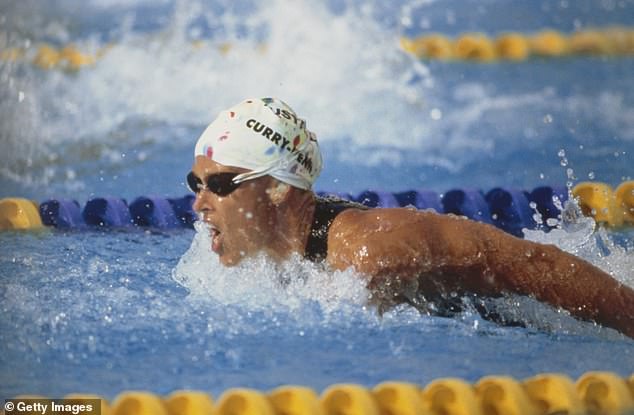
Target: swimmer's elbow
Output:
[(342, 259)]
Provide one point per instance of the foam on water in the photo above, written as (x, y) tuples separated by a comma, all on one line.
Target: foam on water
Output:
[(258, 284), (163, 76), (340, 67), (581, 236), (342, 70)]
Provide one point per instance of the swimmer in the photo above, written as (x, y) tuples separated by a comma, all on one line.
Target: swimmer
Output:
[(252, 175)]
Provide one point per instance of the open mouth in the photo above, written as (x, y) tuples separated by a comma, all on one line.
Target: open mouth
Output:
[(215, 239), (214, 233)]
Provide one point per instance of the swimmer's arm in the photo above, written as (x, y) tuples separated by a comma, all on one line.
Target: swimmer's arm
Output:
[(448, 254)]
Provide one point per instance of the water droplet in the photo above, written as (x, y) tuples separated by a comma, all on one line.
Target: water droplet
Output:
[(570, 173), (562, 156), (591, 175)]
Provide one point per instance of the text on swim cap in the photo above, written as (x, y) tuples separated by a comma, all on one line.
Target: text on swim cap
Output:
[(290, 116), (280, 141)]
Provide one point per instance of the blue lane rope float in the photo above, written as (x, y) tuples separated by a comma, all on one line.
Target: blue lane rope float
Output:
[(543, 197), (183, 210), (467, 202), (372, 198), (110, 212), (542, 394), (62, 213), (154, 212), (420, 199), (509, 209)]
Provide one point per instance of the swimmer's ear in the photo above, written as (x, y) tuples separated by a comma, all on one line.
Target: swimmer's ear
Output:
[(278, 192)]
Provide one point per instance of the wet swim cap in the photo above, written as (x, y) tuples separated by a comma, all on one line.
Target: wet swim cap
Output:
[(265, 136)]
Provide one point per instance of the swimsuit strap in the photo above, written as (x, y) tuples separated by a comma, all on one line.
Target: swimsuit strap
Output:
[(326, 210)]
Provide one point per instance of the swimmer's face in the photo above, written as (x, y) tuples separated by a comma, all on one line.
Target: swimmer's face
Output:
[(240, 222)]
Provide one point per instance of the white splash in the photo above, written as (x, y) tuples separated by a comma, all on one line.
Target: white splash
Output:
[(581, 236), (258, 283), (344, 72)]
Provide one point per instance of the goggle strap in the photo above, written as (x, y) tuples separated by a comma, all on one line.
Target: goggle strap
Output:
[(254, 174)]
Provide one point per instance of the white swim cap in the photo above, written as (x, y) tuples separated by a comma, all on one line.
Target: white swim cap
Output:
[(268, 138)]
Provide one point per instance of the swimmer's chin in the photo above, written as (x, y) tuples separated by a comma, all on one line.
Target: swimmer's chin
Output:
[(228, 260)]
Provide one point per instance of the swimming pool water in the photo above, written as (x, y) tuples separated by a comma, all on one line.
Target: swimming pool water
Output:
[(106, 311), (100, 312)]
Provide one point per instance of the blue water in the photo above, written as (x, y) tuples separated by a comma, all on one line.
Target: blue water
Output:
[(103, 312)]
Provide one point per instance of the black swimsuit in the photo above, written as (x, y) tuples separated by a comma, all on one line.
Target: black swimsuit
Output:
[(326, 210)]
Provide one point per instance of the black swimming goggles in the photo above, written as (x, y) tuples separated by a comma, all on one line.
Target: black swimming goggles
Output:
[(220, 184)]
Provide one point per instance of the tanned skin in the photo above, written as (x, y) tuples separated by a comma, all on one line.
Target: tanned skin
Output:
[(442, 254), (407, 249)]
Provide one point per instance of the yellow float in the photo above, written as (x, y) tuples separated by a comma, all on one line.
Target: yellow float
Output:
[(549, 43), (475, 47), (512, 46), (597, 200), (19, 214)]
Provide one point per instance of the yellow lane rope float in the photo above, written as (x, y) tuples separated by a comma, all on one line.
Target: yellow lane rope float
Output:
[(475, 47), (18, 213), (70, 58), (479, 47), (547, 393), (613, 207)]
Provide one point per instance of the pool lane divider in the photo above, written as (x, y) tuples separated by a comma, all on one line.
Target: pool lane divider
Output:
[(513, 46), (506, 208), (546, 393), (611, 41)]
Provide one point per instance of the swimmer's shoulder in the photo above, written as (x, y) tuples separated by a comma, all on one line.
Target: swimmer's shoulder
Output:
[(366, 239), (365, 222), (360, 236)]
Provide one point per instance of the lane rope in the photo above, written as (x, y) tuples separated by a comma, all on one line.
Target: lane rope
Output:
[(518, 47), (546, 393), (613, 41), (509, 209)]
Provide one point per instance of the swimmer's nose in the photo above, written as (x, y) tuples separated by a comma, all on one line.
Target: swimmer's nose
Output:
[(202, 202)]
